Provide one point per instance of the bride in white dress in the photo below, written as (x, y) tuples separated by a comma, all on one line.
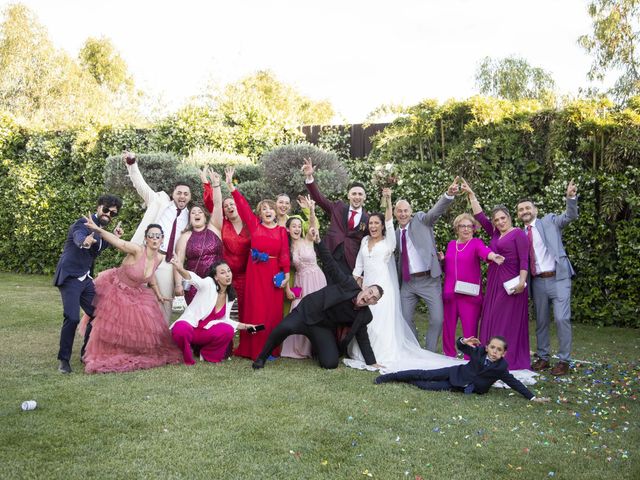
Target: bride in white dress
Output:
[(393, 343)]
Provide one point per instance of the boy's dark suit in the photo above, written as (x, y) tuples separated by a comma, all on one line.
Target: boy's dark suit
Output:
[(320, 312), (342, 242), (473, 376), (75, 263)]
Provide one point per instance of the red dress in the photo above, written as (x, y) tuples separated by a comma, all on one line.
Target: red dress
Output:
[(266, 302), (235, 250)]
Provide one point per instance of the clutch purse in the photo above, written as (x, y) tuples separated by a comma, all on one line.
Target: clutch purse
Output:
[(297, 291), (467, 288), (509, 285), (278, 278)]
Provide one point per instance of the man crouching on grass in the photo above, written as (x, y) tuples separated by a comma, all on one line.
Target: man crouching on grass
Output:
[(486, 366)]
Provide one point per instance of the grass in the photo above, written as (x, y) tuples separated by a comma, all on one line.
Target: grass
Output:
[(294, 420)]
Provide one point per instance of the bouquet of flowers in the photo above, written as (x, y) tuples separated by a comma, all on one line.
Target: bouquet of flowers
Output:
[(383, 177)]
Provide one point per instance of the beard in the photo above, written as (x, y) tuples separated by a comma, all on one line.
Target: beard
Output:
[(102, 221)]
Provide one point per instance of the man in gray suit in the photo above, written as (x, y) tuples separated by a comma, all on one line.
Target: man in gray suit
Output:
[(550, 274), (418, 265)]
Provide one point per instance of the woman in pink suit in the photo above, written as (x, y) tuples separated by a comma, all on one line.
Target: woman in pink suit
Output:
[(462, 263), (505, 313), (269, 256)]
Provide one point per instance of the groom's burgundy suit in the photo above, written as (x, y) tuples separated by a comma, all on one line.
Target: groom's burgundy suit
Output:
[(342, 242)]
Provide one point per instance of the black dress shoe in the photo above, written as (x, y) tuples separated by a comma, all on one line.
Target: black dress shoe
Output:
[(64, 366), (258, 364)]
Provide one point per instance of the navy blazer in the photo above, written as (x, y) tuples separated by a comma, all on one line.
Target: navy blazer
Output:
[(76, 261), (483, 376)]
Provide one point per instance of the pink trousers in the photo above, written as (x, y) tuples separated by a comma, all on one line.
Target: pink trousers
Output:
[(213, 342), (468, 310)]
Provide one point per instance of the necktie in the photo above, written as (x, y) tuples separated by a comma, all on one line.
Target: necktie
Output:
[(532, 253), (172, 237), (351, 224), (404, 257)]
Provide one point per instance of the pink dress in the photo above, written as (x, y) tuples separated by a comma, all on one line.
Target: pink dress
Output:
[(129, 331), (311, 279), (203, 249), (461, 262)]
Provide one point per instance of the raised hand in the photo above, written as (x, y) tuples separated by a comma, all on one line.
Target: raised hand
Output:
[(307, 168), (129, 157), (572, 189), (215, 177), (118, 231), (89, 240), (466, 188), (471, 341), (314, 234), (89, 223), (454, 189), (229, 171), (386, 193), (303, 201)]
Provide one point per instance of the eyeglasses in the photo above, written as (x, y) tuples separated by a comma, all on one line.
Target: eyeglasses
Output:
[(466, 226), (156, 236), (108, 211)]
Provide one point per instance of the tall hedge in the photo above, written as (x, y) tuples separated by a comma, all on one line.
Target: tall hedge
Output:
[(505, 150)]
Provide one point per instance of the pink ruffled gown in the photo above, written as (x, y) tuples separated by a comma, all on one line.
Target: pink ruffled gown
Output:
[(310, 278), (129, 331)]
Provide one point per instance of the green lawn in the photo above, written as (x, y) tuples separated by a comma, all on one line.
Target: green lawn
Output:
[(293, 420)]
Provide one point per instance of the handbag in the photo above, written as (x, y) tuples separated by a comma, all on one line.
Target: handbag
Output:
[(464, 288), (467, 288), (509, 285)]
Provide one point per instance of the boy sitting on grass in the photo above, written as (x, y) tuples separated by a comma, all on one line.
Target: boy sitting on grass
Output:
[(486, 366)]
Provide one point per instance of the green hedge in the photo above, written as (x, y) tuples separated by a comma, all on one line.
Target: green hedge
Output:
[(504, 149)]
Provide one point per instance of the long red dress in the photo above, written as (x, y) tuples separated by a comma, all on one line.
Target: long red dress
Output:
[(266, 302), (235, 250)]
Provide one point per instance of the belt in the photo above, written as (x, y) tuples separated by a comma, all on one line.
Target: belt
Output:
[(546, 275), (421, 274)]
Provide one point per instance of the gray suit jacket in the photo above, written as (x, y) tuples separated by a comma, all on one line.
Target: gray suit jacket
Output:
[(420, 231), (550, 227)]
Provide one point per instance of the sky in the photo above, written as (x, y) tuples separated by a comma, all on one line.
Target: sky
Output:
[(356, 54)]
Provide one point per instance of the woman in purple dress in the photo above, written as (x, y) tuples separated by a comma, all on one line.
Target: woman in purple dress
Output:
[(505, 313), (200, 246)]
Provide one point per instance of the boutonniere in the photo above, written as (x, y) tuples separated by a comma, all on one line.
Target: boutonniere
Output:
[(362, 227)]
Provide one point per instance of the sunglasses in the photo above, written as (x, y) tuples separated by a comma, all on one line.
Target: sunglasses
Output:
[(156, 236), (108, 211)]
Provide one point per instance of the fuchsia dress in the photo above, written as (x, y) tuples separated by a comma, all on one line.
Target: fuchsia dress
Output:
[(203, 249), (461, 262), (263, 303), (503, 314), (129, 330)]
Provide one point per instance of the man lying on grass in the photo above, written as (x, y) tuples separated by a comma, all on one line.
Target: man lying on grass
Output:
[(486, 366)]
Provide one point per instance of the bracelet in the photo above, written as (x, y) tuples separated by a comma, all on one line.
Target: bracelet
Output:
[(215, 186)]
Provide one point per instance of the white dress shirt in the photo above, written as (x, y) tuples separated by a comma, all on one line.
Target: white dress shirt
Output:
[(417, 264), (544, 261)]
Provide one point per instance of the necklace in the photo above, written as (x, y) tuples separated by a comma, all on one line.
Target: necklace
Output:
[(465, 246)]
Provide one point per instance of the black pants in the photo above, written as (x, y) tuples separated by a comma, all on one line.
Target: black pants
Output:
[(322, 339), (436, 380), (75, 294)]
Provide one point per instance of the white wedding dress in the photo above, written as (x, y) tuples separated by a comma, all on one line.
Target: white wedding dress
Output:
[(392, 340)]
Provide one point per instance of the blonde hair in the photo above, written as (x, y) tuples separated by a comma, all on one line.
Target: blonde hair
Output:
[(465, 216), (269, 202)]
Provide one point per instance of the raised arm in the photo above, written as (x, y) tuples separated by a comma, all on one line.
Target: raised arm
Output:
[(244, 209), (207, 191), (329, 265), (216, 214), (313, 219), (442, 205), (117, 242), (312, 187), (144, 190), (571, 212)]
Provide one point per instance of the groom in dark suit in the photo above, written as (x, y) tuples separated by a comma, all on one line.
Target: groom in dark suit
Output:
[(485, 367), (341, 303), (73, 274), (349, 223)]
